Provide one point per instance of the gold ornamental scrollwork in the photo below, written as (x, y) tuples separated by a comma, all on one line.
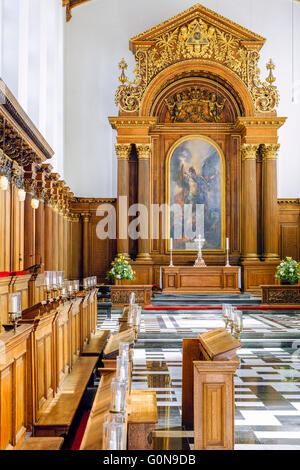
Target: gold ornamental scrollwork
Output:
[(204, 40), (195, 105)]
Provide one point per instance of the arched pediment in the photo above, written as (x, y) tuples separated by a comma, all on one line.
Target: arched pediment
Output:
[(197, 37), (195, 74)]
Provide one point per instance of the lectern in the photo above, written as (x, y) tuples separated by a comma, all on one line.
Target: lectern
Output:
[(208, 367)]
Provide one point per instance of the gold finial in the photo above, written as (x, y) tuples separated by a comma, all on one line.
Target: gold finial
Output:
[(123, 66), (270, 66)]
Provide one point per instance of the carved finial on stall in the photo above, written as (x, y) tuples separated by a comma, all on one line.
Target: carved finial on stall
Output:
[(123, 66), (270, 66)]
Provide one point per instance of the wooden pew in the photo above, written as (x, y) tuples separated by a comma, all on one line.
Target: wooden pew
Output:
[(93, 435), (141, 416), (97, 344), (42, 443), (208, 367), (111, 349), (58, 416)]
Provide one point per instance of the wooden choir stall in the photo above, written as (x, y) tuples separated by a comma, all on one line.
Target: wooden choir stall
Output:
[(43, 331)]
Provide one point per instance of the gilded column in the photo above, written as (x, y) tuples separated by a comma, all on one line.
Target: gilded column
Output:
[(123, 153), (249, 202), (144, 156), (269, 201), (85, 252)]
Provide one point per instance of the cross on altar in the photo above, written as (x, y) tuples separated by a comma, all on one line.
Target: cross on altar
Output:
[(200, 261)]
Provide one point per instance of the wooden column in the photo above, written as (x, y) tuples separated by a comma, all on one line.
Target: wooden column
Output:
[(60, 240), (29, 232), (48, 237), (66, 237), (123, 153), (40, 221), (17, 231), (85, 252), (249, 202), (54, 238), (39, 234), (269, 201), (144, 155), (5, 221)]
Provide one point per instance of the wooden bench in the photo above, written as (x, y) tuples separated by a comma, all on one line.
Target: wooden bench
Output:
[(42, 443), (93, 435), (96, 344), (58, 416), (111, 349), (141, 415)]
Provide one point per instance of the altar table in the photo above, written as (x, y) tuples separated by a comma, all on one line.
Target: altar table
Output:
[(193, 280)]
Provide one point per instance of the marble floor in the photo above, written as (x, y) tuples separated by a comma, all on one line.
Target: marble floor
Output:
[(267, 383)]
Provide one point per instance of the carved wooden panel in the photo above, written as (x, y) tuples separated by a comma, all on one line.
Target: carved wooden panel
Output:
[(214, 406), (257, 275), (289, 228), (6, 397), (289, 236), (279, 294)]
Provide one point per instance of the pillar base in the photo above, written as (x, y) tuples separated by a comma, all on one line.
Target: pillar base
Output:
[(144, 257), (271, 257), (250, 257)]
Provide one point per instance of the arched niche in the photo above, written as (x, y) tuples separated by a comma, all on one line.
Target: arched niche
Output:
[(203, 95)]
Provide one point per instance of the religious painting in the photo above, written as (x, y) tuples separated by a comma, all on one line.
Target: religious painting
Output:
[(195, 170)]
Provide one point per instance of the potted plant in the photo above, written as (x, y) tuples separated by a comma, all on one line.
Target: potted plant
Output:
[(120, 270), (288, 271)]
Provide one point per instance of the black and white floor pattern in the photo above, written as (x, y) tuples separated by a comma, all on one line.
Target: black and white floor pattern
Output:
[(267, 384)]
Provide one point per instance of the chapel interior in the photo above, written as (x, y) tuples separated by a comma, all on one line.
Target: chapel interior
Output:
[(149, 225)]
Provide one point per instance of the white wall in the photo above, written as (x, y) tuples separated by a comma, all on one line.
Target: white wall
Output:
[(31, 64), (97, 38)]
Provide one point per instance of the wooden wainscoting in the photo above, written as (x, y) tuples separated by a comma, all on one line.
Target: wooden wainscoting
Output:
[(289, 228), (90, 254)]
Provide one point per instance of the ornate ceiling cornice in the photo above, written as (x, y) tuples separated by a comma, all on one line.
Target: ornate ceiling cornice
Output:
[(19, 138), (69, 4)]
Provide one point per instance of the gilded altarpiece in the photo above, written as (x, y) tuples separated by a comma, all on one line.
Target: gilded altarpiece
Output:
[(197, 77)]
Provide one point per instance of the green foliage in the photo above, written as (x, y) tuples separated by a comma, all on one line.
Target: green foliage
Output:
[(288, 271), (120, 269)]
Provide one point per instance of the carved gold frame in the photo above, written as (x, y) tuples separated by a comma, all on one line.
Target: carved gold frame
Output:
[(167, 195)]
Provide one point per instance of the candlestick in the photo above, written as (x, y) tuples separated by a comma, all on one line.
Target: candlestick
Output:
[(227, 253), (171, 265)]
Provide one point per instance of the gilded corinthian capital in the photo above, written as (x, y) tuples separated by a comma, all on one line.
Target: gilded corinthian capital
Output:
[(123, 151), (144, 151), (249, 151), (269, 151)]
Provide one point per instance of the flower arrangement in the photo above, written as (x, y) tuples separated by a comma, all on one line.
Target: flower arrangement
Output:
[(288, 271), (120, 269)]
